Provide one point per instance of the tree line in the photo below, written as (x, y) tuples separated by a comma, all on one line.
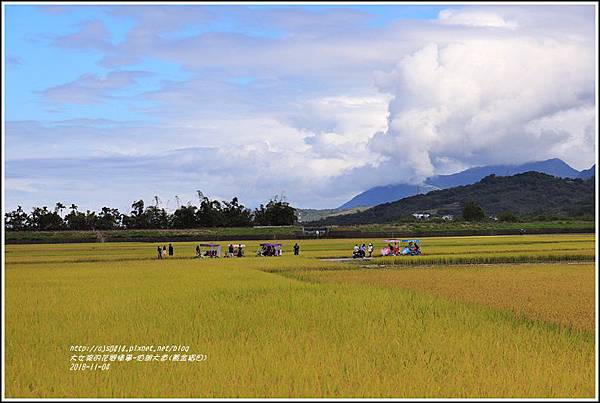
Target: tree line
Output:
[(210, 213)]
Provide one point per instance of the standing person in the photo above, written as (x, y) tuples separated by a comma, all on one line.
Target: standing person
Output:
[(159, 252), (363, 250), (171, 250), (197, 250), (240, 251), (296, 249), (164, 251), (370, 249), (230, 250)]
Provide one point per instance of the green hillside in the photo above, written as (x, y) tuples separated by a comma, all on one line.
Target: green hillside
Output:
[(526, 194), (308, 215)]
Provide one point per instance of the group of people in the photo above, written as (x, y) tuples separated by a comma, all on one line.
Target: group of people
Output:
[(393, 249), (162, 252), (413, 248), (237, 251), (361, 251), (233, 250), (207, 253), (269, 250), (275, 250)]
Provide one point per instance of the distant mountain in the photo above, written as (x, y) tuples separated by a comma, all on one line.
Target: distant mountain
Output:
[(530, 193), (384, 194), (587, 173), (554, 167)]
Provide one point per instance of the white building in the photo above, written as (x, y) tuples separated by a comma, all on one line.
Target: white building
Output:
[(421, 216)]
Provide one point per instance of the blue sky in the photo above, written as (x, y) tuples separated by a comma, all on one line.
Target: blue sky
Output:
[(106, 104), (32, 31)]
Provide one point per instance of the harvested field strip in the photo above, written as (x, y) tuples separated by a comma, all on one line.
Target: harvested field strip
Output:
[(561, 294), (481, 259)]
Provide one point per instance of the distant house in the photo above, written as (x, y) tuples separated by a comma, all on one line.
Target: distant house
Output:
[(493, 218), (448, 217), (421, 216)]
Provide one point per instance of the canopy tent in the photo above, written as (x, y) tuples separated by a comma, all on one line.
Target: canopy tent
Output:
[(402, 240), (411, 240)]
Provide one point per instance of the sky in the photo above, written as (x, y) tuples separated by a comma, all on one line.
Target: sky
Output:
[(108, 104)]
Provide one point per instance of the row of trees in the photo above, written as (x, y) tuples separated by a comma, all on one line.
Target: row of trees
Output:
[(210, 213)]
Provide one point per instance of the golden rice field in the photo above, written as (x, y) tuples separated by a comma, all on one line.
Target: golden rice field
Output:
[(463, 320)]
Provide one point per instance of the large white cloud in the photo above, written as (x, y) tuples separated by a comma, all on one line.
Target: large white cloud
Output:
[(328, 108), (477, 101)]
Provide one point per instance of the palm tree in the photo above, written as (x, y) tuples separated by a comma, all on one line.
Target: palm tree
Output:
[(138, 207), (73, 207), (59, 207)]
